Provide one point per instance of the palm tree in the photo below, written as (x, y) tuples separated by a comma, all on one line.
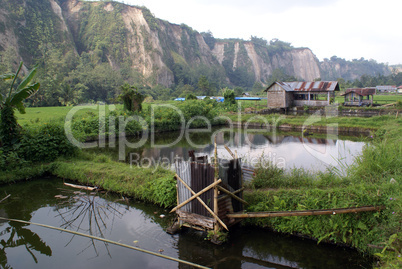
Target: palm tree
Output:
[(132, 99), (9, 128), (68, 96)]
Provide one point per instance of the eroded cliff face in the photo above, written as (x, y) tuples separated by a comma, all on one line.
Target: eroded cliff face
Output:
[(127, 36), (300, 63), (29, 29), (153, 50), (8, 40)]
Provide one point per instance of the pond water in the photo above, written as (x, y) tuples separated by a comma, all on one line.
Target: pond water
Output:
[(286, 150), (48, 201)]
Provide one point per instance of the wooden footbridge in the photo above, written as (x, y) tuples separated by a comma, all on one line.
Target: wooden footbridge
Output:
[(210, 195)]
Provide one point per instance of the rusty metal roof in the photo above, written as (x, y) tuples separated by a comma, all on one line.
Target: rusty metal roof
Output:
[(361, 91), (307, 86)]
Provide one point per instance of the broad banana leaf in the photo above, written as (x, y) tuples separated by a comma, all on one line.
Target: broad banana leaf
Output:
[(26, 80), (7, 76), (17, 98)]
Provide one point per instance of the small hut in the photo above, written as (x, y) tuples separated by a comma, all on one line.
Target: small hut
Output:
[(208, 192), (359, 96), (301, 93)]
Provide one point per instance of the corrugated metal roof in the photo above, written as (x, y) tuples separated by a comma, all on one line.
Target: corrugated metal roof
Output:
[(361, 91), (308, 86)]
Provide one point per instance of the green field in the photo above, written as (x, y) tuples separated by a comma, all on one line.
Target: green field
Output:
[(38, 115)]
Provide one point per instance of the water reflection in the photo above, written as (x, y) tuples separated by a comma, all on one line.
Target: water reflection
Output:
[(285, 150), (89, 214), (252, 247), (15, 235), (138, 224)]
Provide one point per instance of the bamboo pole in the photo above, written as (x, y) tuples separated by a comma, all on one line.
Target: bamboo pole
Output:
[(107, 241), (203, 203), (230, 152), (196, 195), (273, 214), (232, 195), (235, 192)]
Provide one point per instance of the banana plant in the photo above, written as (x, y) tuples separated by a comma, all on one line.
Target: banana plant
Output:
[(9, 128)]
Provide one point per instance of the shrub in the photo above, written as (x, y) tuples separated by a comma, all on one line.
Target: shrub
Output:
[(45, 143), (229, 96), (10, 160), (191, 96)]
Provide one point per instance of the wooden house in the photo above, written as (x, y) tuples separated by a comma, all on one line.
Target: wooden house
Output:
[(359, 96), (245, 94), (386, 88), (289, 94)]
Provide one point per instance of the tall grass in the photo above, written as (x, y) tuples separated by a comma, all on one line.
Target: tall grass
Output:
[(367, 182)]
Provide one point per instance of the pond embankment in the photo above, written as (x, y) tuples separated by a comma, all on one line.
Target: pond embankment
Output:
[(368, 182)]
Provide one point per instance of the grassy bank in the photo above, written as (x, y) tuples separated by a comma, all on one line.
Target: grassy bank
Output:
[(374, 179), (154, 185), (367, 182), (371, 123)]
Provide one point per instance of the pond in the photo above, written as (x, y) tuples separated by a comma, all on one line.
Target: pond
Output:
[(287, 150), (49, 201)]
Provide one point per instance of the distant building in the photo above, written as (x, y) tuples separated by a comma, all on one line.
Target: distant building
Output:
[(399, 89), (245, 94), (289, 94), (386, 88), (359, 96)]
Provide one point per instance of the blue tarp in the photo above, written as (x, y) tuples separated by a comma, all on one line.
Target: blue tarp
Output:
[(248, 98), (180, 99)]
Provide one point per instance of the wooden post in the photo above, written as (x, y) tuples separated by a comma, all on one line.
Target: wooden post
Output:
[(215, 216), (216, 209)]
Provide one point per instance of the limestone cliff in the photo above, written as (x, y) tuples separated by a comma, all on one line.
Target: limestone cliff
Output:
[(129, 37)]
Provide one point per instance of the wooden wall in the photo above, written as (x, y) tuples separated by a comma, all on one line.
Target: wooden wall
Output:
[(278, 97)]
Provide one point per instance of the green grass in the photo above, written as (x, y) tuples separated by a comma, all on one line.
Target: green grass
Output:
[(367, 182), (374, 122), (148, 184), (24, 173), (40, 115)]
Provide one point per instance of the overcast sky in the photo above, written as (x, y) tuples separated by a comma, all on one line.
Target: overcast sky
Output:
[(349, 29)]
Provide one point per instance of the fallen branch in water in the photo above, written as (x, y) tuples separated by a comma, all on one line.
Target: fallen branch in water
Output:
[(5, 198), (80, 187)]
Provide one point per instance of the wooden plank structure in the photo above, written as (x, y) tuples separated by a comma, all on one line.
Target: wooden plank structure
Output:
[(210, 197), (207, 193)]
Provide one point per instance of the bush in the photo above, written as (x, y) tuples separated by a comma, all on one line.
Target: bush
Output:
[(45, 143), (10, 160), (88, 127), (191, 96), (229, 96)]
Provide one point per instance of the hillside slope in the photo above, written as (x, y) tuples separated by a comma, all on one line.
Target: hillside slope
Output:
[(132, 41)]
